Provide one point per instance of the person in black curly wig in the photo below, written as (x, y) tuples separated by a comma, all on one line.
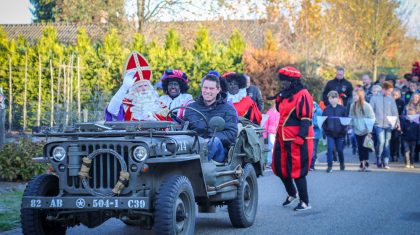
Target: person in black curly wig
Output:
[(175, 86), (237, 94)]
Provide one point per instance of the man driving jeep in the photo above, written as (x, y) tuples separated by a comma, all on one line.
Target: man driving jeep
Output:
[(211, 104)]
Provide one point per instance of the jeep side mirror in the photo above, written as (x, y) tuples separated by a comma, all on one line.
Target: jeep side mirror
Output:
[(217, 123)]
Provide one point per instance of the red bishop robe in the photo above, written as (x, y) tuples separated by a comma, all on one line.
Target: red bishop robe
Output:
[(291, 159)]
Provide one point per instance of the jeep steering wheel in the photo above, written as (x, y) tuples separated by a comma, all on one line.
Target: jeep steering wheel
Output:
[(193, 109)]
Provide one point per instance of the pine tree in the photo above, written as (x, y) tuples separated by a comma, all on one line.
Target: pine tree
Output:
[(111, 56), (43, 10), (235, 50), (139, 44), (203, 57), (48, 49)]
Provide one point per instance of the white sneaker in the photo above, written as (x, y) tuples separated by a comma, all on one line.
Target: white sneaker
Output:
[(302, 206)]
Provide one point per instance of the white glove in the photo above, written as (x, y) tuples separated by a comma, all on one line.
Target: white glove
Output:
[(129, 79), (116, 101)]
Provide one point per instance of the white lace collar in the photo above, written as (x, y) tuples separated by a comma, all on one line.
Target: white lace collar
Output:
[(238, 96)]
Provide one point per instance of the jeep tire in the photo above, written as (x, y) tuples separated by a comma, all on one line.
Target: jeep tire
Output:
[(35, 221), (243, 208), (175, 207)]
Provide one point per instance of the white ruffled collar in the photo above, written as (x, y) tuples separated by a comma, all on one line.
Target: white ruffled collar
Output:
[(238, 96)]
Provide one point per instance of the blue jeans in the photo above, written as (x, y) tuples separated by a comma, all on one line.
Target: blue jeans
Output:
[(271, 138), (338, 142), (384, 136), (216, 150), (314, 155)]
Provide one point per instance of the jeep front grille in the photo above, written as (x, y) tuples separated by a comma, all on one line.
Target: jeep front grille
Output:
[(105, 168)]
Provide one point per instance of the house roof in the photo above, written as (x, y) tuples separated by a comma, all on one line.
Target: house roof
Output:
[(66, 33), (253, 31)]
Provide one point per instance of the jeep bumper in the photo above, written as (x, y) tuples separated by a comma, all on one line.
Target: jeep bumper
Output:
[(81, 203)]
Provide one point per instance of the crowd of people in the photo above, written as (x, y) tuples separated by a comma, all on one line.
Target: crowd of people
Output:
[(380, 117)]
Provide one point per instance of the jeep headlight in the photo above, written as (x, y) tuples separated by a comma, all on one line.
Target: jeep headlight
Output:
[(59, 153), (140, 153)]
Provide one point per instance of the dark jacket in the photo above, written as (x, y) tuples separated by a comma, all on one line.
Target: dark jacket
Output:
[(332, 126), (255, 94), (219, 108), (343, 87), (400, 106), (368, 92), (407, 96), (410, 130)]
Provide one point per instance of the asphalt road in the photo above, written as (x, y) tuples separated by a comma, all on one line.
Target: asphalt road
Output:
[(344, 202)]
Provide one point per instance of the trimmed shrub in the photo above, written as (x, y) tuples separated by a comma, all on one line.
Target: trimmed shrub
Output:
[(16, 160)]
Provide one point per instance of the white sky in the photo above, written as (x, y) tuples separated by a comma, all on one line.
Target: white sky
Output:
[(18, 12)]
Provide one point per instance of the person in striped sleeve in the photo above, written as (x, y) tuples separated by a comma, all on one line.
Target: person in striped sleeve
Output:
[(293, 147)]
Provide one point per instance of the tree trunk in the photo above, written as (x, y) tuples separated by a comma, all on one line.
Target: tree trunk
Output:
[(375, 68), (25, 92), (52, 95), (10, 96), (38, 112), (140, 14), (79, 114)]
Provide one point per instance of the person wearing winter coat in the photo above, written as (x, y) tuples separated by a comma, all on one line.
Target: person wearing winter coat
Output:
[(360, 110), (410, 136), (339, 84), (317, 133), (270, 126), (211, 103), (385, 108), (334, 130)]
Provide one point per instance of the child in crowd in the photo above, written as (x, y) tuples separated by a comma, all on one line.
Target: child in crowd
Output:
[(270, 127), (376, 89), (410, 136), (334, 130), (317, 133)]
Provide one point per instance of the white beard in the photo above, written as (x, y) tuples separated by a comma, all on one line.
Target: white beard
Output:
[(145, 105)]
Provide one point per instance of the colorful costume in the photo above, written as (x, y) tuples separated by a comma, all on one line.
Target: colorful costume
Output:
[(131, 103), (181, 98), (293, 148), (244, 105)]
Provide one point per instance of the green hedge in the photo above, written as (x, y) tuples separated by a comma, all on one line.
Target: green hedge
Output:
[(16, 160)]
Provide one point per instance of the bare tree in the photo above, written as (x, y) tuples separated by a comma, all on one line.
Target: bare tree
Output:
[(148, 9)]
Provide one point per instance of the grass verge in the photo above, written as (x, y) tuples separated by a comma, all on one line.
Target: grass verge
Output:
[(10, 210)]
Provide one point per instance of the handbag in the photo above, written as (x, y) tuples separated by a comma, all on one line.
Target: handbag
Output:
[(368, 142)]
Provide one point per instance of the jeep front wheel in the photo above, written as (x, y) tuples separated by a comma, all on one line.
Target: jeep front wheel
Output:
[(175, 207), (243, 208), (35, 221)]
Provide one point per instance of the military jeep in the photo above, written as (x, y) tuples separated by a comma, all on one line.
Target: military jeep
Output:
[(149, 174)]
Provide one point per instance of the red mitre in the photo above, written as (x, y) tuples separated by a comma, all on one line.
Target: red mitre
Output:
[(137, 62)]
